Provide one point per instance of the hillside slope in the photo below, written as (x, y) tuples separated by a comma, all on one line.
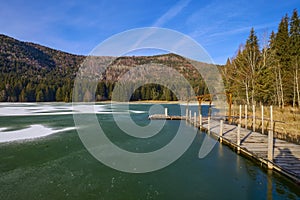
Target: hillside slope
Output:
[(31, 72)]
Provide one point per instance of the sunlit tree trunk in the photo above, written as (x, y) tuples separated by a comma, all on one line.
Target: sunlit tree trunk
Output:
[(297, 83), (281, 88)]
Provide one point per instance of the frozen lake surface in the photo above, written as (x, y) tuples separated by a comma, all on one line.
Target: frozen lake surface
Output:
[(42, 157)]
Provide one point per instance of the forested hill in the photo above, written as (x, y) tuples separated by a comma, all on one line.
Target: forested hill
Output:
[(31, 72)]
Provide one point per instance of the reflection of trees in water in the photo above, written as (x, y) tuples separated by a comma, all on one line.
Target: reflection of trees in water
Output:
[(269, 185)]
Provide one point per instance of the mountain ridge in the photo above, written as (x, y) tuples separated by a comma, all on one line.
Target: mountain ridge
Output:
[(33, 72)]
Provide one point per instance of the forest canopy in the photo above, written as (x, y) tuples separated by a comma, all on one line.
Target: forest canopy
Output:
[(267, 71)]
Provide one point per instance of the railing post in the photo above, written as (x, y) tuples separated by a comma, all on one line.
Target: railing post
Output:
[(208, 124), (233, 114), (238, 139), (246, 117), (240, 121), (271, 118), (253, 117), (270, 140), (262, 119), (270, 149), (221, 131)]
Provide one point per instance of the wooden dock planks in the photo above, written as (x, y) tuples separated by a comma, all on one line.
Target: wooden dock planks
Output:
[(286, 155)]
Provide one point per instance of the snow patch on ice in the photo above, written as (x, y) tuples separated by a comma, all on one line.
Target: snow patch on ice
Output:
[(32, 132)]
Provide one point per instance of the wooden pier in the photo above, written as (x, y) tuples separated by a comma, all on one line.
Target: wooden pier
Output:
[(270, 152), (166, 117)]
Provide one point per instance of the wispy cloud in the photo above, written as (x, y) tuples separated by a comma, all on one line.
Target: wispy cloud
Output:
[(171, 13), (243, 29)]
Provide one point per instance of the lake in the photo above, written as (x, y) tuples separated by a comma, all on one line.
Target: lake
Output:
[(54, 163)]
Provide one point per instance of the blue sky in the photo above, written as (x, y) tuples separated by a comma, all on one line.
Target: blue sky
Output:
[(79, 26)]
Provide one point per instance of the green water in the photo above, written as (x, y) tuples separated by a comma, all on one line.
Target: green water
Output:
[(59, 167)]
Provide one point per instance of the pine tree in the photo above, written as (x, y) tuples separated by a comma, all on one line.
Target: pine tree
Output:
[(30, 92), (252, 58), (40, 96), (101, 91), (3, 95), (59, 94), (281, 47), (23, 95), (294, 47), (241, 76)]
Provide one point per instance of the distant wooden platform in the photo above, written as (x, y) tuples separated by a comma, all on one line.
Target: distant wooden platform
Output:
[(165, 117), (286, 155)]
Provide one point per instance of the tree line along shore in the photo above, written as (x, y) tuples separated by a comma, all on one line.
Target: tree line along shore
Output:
[(264, 71)]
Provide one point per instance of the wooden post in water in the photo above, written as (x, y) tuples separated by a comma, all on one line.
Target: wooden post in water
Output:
[(253, 118), (240, 121), (238, 138), (200, 120), (199, 105), (270, 140), (195, 119), (262, 119), (246, 120), (221, 131), (186, 113), (166, 112), (208, 124), (190, 116)]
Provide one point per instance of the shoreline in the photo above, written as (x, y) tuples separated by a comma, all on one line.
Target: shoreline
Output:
[(109, 102)]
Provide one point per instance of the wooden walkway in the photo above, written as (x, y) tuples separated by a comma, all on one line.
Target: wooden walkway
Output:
[(286, 156), (166, 117)]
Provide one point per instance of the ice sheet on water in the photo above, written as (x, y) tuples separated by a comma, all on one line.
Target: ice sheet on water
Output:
[(32, 132), (33, 109)]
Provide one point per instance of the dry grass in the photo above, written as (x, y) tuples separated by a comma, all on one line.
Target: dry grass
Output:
[(287, 121)]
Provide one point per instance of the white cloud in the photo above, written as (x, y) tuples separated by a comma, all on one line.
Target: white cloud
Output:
[(171, 13)]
